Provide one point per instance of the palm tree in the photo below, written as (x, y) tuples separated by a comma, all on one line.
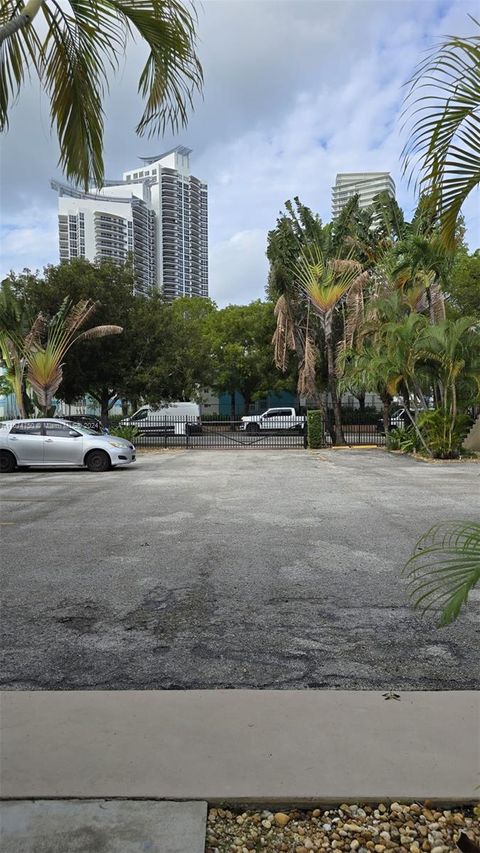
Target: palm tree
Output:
[(72, 46), (295, 330), (41, 360), (13, 327), (451, 350), (443, 113), (325, 283), (444, 567)]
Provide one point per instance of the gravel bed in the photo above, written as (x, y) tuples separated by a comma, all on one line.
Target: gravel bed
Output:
[(412, 828)]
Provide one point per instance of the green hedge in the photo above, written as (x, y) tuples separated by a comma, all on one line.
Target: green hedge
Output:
[(316, 436)]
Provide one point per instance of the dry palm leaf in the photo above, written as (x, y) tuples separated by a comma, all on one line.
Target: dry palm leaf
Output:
[(306, 375), (283, 337)]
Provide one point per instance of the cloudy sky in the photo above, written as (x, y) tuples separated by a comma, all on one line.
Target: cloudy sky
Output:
[(295, 91)]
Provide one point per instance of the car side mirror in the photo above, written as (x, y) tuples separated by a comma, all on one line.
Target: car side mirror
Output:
[(72, 433)]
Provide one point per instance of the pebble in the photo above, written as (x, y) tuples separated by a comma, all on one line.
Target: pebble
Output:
[(411, 828)]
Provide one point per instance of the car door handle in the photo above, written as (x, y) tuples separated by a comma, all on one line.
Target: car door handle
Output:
[(49, 439)]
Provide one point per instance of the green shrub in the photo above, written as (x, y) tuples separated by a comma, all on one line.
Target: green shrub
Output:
[(443, 437), (128, 432), (394, 438), (405, 439), (316, 435)]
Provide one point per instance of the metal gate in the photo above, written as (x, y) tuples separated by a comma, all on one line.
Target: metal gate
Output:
[(223, 433), (359, 428)]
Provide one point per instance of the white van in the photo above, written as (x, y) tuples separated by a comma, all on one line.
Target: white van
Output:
[(177, 418)]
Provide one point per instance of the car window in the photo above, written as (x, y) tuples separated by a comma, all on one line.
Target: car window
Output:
[(60, 430), (285, 413), (27, 428), (269, 414), (140, 415)]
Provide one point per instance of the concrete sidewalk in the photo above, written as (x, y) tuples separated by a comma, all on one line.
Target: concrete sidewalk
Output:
[(102, 826), (241, 745)]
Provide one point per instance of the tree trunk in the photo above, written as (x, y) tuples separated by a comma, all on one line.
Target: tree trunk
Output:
[(232, 405), (386, 401), (124, 408), (338, 437), (361, 400)]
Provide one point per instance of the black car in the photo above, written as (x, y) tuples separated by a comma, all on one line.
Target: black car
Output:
[(88, 421)]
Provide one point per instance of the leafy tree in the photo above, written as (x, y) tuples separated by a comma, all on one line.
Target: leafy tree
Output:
[(72, 46), (164, 352), (101, 368), (241, 343), (442, 105), (463, 286)]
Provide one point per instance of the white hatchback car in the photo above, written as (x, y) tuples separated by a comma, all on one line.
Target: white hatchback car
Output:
[(52, 442)]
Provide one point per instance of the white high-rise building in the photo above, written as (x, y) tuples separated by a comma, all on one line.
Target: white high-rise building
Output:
[(157, 214), (364, 184), (109, 224)]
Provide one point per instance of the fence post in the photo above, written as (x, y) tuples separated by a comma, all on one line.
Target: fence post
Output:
[(164, 430), (187, 432)]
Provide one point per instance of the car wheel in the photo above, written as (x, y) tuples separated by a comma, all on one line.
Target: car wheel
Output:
[(8, 463), (98, 461), (253, 428)]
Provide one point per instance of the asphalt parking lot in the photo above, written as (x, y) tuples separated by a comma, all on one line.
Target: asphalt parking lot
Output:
[(229, 568)]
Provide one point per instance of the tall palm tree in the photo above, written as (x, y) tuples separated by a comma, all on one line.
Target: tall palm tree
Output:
[(325, 283), (72, 46), (442, 109)]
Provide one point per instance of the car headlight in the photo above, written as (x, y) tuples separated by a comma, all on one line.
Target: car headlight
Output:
[(115, 443)]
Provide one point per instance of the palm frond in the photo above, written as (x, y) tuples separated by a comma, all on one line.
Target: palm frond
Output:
[(306, 386), (283, 337), (443, 569), (99, 332), (17, 54), (442, 108), (84, 40)]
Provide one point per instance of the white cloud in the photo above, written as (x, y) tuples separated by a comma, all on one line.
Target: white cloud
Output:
[(237, 265), (29, 240)]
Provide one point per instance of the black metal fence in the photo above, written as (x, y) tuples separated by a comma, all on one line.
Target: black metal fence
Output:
[(221, 433), (276, 433), (359, 427)]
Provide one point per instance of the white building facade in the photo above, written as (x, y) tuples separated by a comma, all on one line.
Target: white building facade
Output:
[(364, 184), (157, 214)]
